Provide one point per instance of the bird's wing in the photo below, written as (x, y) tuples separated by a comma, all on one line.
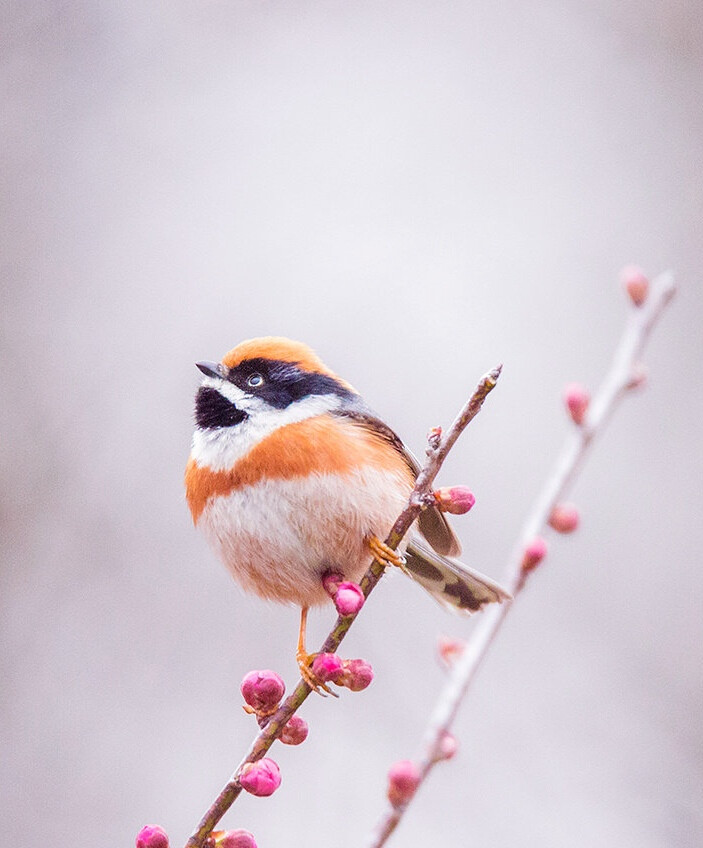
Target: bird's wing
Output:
[(454, 585), (432, 523)]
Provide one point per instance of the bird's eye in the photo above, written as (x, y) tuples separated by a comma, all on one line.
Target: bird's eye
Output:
[(254, 380)]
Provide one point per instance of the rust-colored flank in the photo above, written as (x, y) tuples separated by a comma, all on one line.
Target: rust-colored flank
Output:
[(320, 445)]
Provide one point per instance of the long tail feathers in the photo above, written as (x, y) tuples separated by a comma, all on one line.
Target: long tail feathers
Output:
[(454, 585)]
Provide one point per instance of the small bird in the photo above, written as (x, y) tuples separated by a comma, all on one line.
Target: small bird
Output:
[(292, 476)]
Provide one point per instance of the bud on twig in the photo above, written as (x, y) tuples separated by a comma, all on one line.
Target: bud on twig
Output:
[(262, 690), (576, 399), (447, 746), (454, 499), (403, 780), (262, 777), (331, 581), (434, 437), (295, 731), (348, 598), (327, 668), (152, 836), (638, 376), (357, 675), (450, 649), (564, 518), (533, 554), (635, 283), (233, 839)]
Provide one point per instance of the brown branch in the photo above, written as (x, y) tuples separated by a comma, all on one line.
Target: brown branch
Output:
[(615, 385), (436, 453)]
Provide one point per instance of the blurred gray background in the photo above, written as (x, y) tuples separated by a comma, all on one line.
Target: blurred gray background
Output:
[(419, 190)]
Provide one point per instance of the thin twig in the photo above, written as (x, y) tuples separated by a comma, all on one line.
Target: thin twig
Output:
[(615, 385), (436, 454)]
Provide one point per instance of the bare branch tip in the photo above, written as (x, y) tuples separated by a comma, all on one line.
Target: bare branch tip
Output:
[(666, 284), (492, 377)]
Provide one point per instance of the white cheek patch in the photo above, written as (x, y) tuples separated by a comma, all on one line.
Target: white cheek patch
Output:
[(219, 449), (228, 390)]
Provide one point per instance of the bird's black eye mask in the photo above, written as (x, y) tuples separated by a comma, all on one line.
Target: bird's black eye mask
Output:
[(280, 383)]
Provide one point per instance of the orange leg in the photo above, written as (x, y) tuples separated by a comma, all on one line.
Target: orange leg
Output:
[(384, 554), (305, 660)]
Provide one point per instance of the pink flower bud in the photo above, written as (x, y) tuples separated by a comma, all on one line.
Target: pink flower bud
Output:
[(576, 399), (434, 437), (455, 499), (564, 518), (450, 649), (260, 778), (534, 553), (327, 667), (638, 377), (152, 836), (635, 283), (447, 746), (234, 839), (403, 780), (295, 731), (349, 598), (357, 675), (331, 581), (263, 690)]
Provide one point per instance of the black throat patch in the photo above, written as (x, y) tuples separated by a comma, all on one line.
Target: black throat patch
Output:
[(213, 410)]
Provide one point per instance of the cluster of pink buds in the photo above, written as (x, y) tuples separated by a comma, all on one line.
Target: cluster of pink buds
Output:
[(263, 691), (152, 836), (347, 596), (230, 839), (353, 674), (403, 780), (454, 499)]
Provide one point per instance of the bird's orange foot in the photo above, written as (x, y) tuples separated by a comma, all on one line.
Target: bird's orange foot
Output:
[(384, 554), (305, 662)]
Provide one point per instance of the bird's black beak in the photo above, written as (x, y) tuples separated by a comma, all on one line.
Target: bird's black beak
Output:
[(212, 369)]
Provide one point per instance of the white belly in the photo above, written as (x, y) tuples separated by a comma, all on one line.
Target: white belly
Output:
[(279, 537)]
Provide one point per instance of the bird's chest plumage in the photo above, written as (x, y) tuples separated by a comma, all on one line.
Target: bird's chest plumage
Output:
[(300, 502)]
